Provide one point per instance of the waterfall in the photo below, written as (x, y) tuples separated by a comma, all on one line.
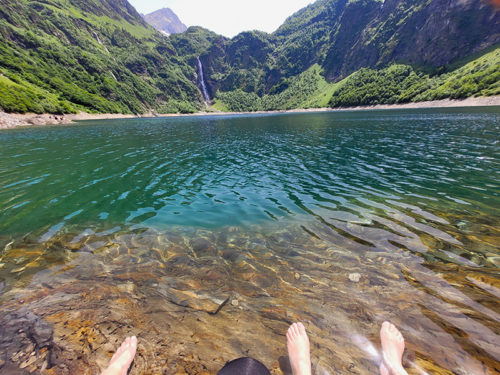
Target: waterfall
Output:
[(204, 91)]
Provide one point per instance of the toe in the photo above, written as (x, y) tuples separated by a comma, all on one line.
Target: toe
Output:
[(297, 329), (385, 325), (301, 329)]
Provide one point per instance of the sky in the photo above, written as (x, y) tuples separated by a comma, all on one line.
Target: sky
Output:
[(227, 17)]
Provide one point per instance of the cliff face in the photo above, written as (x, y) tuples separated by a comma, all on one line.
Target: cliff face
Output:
[(165, 21), (343, 36), (416, 32)]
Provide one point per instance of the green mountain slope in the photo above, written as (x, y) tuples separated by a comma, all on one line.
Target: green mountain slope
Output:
[(395, 84), (96, 56), (343, 36)]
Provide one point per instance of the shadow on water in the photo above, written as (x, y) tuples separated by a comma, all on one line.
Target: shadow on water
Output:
[(207, 237)]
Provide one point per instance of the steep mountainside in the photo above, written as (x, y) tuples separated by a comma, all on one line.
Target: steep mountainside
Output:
[(342, 36), (100, 55), (92, 55), (165, 21)]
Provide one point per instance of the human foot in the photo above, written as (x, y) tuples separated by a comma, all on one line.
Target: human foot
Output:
[(393, 346), (297, 344), (121, 360), (383, 369)]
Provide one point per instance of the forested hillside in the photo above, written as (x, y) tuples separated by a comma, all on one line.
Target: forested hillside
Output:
[(63, 56), (430, 37)]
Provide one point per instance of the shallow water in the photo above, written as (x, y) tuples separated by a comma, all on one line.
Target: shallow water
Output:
[(207, 236)]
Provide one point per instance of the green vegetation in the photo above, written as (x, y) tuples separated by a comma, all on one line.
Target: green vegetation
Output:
[(339, 52), (402, 84), (395, 84), (98, 56), (61, 56)]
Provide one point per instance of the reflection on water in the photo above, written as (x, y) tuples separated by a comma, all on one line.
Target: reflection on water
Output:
[(207, 237)]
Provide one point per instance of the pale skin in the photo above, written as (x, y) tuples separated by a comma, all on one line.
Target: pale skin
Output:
[(297, 343), (298, 346), (122, 359), (393, 346)]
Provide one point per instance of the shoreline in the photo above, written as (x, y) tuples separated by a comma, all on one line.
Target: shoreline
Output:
[(15, 120)]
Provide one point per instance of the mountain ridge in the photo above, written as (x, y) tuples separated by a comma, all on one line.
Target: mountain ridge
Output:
[(101, 56), (165, 21)]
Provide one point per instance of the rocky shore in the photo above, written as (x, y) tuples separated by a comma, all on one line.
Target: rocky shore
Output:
[(14, 120), (198, 298)]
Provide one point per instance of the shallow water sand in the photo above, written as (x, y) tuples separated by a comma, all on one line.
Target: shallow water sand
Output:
[(197, 296)]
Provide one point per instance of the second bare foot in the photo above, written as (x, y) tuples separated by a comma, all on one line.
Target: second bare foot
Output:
[(297, 343), (393, 346), (123, 358)]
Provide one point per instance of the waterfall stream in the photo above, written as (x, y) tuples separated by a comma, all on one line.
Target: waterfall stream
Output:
[(204, 91)]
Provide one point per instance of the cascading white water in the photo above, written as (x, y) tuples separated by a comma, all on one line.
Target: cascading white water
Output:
[(204, 91)]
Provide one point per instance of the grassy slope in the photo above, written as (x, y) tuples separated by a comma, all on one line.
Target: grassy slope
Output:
[(99, 57), (395, 84), (343, 36)]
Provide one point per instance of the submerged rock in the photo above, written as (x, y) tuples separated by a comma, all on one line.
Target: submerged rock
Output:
[(25, 336), (208, 303), (355, 277)]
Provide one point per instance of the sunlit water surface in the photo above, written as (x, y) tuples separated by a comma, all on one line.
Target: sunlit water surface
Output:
[(207, 236)]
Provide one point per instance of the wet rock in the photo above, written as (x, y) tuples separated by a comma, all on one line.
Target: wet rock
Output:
[(209, 303), (182, 260), (28, 362), (284, 364), (230, 255), (355, 277), (495, 260), (202, 247), (23, 335), (94, 246), (275, 313), (11, 369)]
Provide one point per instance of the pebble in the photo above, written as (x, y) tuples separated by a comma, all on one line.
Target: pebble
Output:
[(28, 362), (495, 260), (355, 277), (235, 302), (297, 276)]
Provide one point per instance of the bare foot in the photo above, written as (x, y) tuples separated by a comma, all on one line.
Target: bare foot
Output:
[(121, 360), (383, 369), (393, 346), (297, 344)]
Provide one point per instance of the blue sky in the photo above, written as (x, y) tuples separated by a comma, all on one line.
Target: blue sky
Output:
[(227, 17)]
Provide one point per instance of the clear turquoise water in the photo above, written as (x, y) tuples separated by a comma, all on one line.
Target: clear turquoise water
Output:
[(241, 170), (159, 220)]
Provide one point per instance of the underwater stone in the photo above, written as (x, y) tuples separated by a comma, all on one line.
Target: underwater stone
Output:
[(355, 277)]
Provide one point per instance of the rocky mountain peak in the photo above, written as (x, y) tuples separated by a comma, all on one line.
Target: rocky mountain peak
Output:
[(165, 21)]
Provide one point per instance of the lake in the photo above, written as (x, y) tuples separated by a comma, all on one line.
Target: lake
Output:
[(206, 236)]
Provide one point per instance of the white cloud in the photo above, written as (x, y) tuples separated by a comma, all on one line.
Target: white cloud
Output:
[(227, 17)]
